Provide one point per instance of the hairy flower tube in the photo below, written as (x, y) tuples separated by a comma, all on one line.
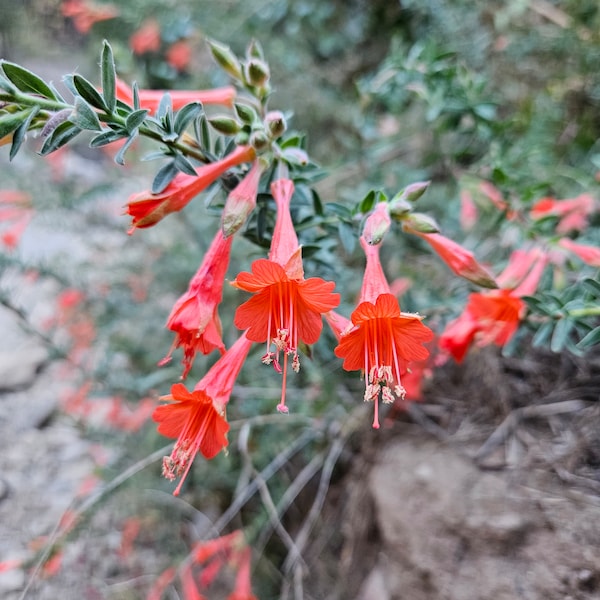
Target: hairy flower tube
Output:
[(151, 99), (285, 308), (147, 209), (197, 418), (383, 340), (194, 317)]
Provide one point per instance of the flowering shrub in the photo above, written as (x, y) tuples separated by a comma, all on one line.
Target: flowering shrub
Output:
[(538, 278)]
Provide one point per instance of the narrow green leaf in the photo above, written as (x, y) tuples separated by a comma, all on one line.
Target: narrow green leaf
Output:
[(120, 156), (135, 119), (7, 86), (203, 132), (591, 284), (165, 107), (347, 237), (542, 335), (26, 81), (62, 135), (184, 165), (317, 204), (186, 115), (135, 90), (164, 176), (89, 93), (21, 132), (11, 121), (590, 339), (109, 77), (560, 335), (84, 116), (107, 137)]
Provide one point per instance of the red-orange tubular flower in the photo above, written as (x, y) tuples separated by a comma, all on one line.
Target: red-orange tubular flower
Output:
[(285, 308), (461, 261), (383, 339), (493, 316), (194, 317), (151, 99), (147, 209), (197, 418)]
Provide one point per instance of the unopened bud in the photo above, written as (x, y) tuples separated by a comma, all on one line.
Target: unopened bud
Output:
[(225, 125), (377, 224), (241, 201), (259, 140), (399, 208), (275, 123), (419, 223), (246, 113), (255, 50), (226, 59), (295, 156), (256, 72), (413, 191)]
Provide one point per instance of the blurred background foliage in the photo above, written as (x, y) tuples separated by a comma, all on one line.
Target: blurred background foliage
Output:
[(388, 93)]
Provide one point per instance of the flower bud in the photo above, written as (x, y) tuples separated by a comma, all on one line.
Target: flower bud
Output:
[(226, 59), (259, 140), (275, 124), (377, 224), (399, 208), (256, 72), (241, 201), (419, 223), (413, 191), (225, 125), (255, 50), (246, 113)]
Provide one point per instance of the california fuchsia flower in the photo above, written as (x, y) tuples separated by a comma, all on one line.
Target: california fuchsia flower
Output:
[(241, 201), (150, 99), (16, 210), (588, 254), (147, 208), (197, 418), (285, 308), (179, 55), (493, 316), (146, 38), (85, 14), (194, 318), (383, 339), (461, 261), (572, 213)]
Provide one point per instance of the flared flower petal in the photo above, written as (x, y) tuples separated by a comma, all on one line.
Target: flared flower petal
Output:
[(197, 418)]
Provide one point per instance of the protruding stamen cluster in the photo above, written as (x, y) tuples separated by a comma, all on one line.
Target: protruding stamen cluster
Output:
[(174, 465), (379, 383)]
